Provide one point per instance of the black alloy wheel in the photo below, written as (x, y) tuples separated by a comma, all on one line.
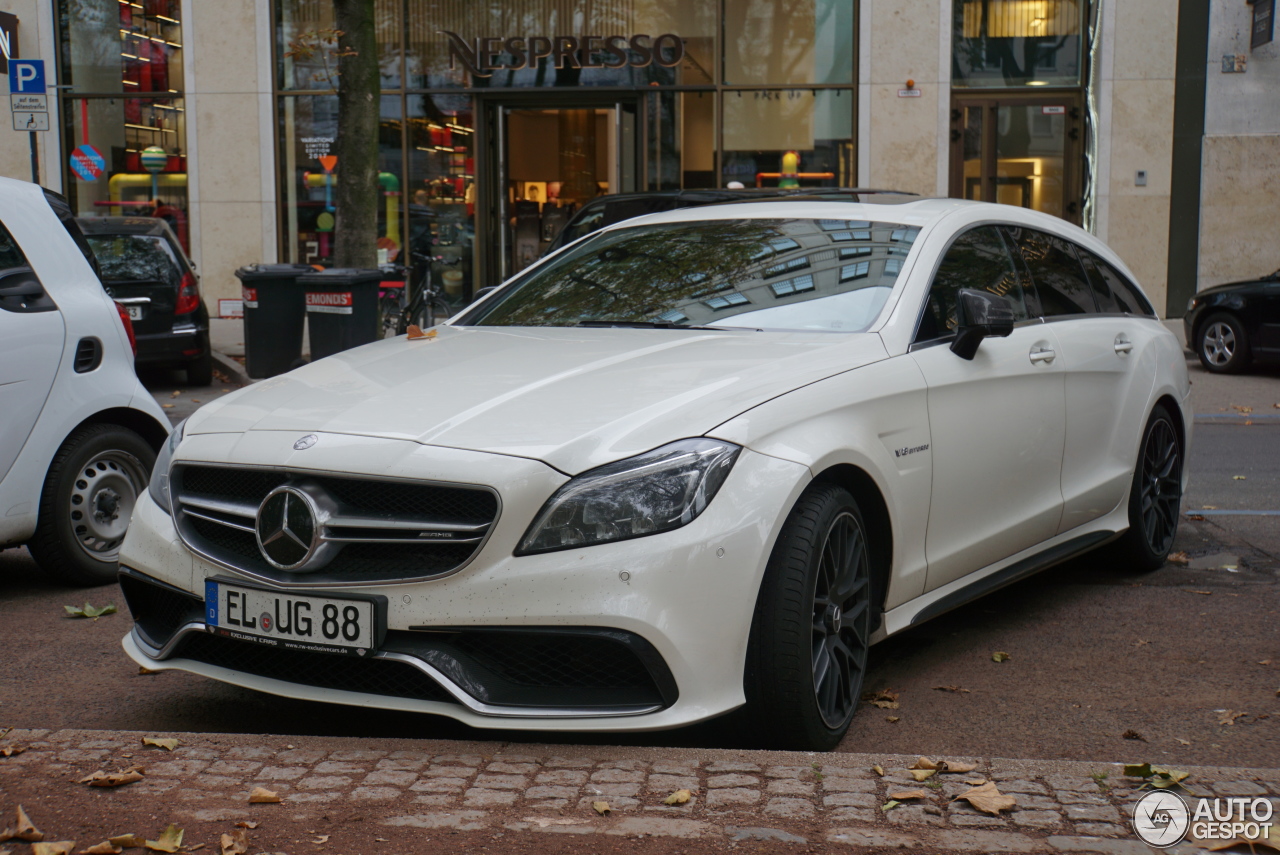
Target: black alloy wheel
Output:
[(1155, 497), (807, 655)]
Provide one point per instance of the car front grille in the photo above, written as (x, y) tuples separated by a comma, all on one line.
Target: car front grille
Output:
[(375, 530)]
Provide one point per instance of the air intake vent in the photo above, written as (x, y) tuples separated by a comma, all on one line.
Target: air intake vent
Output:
[(88, 355)]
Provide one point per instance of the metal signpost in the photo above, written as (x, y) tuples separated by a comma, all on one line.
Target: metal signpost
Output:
[(29, 101)]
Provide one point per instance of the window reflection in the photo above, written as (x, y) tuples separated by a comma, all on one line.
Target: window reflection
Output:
[(661, 274), (977, 259), (1016, 42)]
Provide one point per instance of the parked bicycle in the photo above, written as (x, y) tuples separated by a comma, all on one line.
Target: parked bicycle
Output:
[(425, 303)]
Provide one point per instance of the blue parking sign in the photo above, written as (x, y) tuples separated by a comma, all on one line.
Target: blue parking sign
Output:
[(26, 76)]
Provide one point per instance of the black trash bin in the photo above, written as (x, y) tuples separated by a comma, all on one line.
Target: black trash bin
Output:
[(273, 317), (342, 308)]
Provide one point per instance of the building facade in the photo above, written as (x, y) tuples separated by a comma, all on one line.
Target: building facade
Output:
[(498, 120)]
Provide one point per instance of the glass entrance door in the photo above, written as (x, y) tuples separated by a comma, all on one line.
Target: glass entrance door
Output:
[(549, 162), (1019, 150)]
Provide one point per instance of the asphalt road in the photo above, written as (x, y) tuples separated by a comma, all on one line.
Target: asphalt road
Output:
[(1095, 652)]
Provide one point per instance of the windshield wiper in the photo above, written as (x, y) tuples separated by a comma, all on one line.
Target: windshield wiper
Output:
[(655, 325)]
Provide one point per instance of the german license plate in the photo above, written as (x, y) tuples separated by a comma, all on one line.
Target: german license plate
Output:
[(135, 312), (290, 620)]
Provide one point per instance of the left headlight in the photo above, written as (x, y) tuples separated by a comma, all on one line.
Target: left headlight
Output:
[(653, 492), (159, 486)]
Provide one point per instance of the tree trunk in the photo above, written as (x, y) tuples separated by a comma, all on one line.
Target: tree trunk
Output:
[(356, 187)]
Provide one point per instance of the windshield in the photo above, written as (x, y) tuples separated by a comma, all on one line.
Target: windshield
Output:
[(135, 257), (788, 274)]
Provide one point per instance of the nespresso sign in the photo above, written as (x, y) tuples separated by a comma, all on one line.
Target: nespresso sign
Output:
[(483, 56)]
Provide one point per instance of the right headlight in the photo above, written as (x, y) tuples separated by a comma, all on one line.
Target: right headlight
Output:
[(159, 486), (653, 492)]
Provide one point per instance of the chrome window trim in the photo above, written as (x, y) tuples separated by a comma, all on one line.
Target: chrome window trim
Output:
[(470, 703), (351, 476)]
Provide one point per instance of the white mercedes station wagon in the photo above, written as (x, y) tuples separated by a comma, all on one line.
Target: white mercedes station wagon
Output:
[(693, 463)]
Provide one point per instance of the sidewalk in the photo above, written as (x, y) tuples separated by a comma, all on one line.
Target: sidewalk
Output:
[(367, 795)]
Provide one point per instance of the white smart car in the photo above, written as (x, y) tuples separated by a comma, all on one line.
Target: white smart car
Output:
[(694, 462), (78, 432)]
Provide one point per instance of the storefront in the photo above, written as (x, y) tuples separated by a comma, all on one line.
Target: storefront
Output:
[(500, 120), (122, 109)]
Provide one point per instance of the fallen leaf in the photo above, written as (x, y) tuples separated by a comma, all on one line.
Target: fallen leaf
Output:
[(24, 829), (1228, 717), (941, 766), (1196, 517), (194, 401), (415, 332), (127, 841), (1000, 657), (170, 840), (1133, 734), (321, 838), (976, 782), (89, 611), (891, 718), (1178, 558), (143, 671), (61, 847), (1239, 478), (247, 823), (1240, 409), (1183, 741), (679, 797), (923, 774), (113, 779), (601, 808), (885, 699), (1208, 507), (175, 393), (167, 406), (988, 799), (909, 794), (263, 796), (1264, 661), (889, 805), (103, 848), (951, 689), (12, 750), (166, 744), (1193, 591), (195, 848), (236, 843), (879, 770)]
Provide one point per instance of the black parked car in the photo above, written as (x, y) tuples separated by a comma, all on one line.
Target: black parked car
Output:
[(145, 270), (1230, 326), (607, 210)]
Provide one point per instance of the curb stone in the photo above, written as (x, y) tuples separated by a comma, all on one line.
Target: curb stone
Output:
[(495, 787)]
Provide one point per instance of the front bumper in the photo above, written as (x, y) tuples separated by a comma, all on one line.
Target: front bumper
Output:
[(679, 604)]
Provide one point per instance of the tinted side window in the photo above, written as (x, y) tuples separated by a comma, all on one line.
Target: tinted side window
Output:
[(10, 253), (1059, 279), (1128, 298), (979, 259), (1107, 302)]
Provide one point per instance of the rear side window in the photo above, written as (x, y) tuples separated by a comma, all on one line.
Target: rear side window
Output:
[(978, 259), (1059, 279), (10, 253), (1122, 293)]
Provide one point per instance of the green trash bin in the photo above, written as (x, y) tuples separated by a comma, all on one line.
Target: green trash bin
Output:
[(273, 317), (342, 308)]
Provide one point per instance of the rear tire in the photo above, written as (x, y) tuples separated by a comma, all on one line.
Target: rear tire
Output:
[(89, 494), (807, 655), (1155, 497), (1222, 344)]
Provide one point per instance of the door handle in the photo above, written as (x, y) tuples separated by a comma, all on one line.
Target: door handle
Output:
[(1123, 345), (1042, 354)]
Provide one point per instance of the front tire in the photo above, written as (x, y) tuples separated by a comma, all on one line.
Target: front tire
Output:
[(807, 655), (1222, 344), (1155, 498), (89, 494)]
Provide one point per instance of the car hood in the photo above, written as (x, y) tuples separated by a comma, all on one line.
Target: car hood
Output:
[(574, 398)]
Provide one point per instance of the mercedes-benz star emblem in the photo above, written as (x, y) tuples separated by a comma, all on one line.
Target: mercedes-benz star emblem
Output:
[(286, 528), (306, 442)]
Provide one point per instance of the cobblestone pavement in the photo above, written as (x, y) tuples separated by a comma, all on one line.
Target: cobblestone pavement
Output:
[(424, 787)]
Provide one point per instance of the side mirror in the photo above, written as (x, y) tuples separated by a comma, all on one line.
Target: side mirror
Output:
[(979, 314)]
